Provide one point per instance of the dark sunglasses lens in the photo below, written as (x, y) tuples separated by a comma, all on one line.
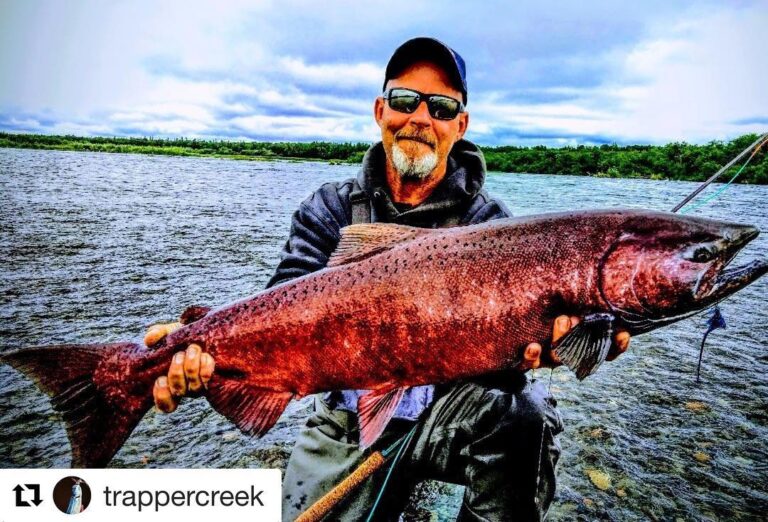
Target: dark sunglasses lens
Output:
[(403, 100), (443, 108)]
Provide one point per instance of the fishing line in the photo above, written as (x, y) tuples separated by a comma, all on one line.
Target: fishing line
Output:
[(759, 142), (541, 444), (724, 187), (403, 442)]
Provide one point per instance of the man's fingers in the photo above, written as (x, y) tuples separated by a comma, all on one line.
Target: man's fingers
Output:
[(562, 325), (206, 368), (164, 401), (619, 346), (156, 332), (532, 356), (176, 381), (192, 368), (622, 341)]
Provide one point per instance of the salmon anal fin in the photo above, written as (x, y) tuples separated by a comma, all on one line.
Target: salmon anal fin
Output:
[(361, 241), (194, 313), (253, 410), (584, 348), (375, 409)]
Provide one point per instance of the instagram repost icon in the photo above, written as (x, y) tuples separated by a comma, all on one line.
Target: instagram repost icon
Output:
[(71, 495)]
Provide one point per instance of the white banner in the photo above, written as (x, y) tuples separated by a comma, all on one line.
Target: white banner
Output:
[(138, 495)]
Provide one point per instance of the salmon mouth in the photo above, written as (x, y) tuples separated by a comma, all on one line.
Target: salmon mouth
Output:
[(725, 280), (731, 280)]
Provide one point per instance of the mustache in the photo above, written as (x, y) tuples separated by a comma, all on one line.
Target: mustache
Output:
[(422, 137)]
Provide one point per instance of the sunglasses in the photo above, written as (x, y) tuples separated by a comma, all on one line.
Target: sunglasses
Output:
[(439, 106)]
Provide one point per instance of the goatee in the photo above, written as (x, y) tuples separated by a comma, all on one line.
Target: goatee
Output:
[(413, 167)]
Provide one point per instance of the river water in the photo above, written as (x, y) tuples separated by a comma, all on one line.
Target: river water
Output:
[(99, 246)]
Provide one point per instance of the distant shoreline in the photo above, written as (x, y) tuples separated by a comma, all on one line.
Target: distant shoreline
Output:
[(674, 161)]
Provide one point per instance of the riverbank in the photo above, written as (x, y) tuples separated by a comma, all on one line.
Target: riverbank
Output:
[(674, 161)]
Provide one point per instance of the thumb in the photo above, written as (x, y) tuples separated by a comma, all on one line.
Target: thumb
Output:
[(157, 332)]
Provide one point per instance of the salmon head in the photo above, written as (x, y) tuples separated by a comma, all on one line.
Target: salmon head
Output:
[(664, 267)]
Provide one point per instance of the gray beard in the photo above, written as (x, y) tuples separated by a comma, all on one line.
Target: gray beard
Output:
[(414, 168)]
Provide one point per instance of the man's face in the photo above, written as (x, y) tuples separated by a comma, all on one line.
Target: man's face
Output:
[(417, 144)]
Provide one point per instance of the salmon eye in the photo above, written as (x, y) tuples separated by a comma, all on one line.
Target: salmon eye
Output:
[(701, 254)]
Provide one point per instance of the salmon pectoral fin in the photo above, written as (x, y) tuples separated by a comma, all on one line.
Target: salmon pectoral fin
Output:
[(375, 409), (584, 348), (99, 416), (253, 410)]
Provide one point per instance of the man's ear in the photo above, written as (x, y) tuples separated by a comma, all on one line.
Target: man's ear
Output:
[(378, 110), (463, 124)]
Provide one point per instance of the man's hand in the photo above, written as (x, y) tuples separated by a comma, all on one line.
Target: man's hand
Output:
[(190, 370), (532, 357)]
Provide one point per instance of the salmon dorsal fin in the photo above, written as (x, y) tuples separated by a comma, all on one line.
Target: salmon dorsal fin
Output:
[(361, 241)]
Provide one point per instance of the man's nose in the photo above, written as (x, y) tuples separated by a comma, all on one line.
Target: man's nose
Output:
[(421, 115)]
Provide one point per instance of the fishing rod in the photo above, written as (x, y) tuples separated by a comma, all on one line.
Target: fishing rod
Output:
[(759, 142), (374, 462)]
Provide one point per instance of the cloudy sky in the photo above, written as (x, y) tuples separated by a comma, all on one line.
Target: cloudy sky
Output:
[(550, 73)]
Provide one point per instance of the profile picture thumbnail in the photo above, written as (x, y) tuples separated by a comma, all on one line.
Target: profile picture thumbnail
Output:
[(71, 495)]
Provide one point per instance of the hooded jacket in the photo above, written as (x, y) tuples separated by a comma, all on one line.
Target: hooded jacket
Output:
[(316, 226)]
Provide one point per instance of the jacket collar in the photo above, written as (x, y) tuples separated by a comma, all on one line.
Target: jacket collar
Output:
[(464, 179)]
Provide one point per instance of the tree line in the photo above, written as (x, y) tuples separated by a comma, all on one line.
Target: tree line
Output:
[(675, 161)]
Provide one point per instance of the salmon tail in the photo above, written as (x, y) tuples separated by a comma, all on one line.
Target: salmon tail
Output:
[(99, 417)]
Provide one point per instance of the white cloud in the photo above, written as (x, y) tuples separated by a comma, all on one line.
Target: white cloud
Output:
[(170, 68), (347, 75), (689, 81)]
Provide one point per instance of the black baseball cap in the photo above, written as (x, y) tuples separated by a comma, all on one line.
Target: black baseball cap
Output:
[(430, 50)]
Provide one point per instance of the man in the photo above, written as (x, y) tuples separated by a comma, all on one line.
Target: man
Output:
[(495, 435)]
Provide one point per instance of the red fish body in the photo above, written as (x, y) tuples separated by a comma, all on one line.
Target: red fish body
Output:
[(400, 306)]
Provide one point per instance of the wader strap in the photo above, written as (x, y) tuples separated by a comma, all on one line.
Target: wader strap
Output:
[(361, 205)]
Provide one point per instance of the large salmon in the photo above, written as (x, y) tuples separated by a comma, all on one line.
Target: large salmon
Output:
[(400, 306)]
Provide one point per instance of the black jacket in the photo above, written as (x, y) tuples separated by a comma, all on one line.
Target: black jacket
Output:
[(315, 229)]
